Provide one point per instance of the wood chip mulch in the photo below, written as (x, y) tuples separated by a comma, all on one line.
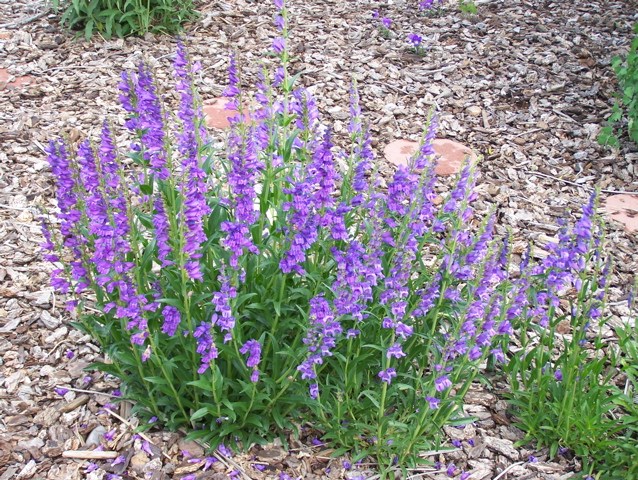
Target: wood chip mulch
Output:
[(527, 84)]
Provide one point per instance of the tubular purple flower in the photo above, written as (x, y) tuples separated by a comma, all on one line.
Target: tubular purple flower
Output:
[(162, 232), (395, 351), (387, 375), (415, 39), (442, 383), (433, 402), (253, 349), (171, 320), (279, 45)]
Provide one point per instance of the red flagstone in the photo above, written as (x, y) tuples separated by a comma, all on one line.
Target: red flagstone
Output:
[(17, 83), (217, 115), (450, 155), (624, 209)]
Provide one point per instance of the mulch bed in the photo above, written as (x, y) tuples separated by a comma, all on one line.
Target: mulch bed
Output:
[(526, 84)]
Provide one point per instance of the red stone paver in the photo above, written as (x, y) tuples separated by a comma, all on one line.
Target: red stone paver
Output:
[(623, 209), (217, 114), (450, 154), (18, 82)]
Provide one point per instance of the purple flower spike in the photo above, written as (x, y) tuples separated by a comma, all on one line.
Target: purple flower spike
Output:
[(171, 320), (195, 206)]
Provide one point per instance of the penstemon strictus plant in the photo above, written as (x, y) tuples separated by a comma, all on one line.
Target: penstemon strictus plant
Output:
[(237, 293)]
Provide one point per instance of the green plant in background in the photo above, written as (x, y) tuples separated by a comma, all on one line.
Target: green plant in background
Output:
[(561, 375), (626, 104), (468, 7), (122, 18)]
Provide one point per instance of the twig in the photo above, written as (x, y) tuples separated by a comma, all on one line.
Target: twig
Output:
[(624, 192), (90, 454), (507, 469), (24, 21), (527, 132), (129, 425), (94, 392)]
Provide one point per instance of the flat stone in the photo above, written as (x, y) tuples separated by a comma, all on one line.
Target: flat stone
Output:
[(623, 209), (217, 113), (450, 155), (18, 82), (400, 151)]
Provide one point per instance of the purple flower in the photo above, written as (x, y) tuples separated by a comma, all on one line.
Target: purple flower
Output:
[(386, 22), (279, 4), (209, 461), (395, 351), (171, 320), (456, 443), (279, 45), (347, 465), (465, 475), (120, 459), (387, 375), (433, 402), (224, 450), (314, 391), (253, 349), (558, 375), (451, 470), (415, 39), (61, 391), (69, 354), (442, 383), (532, 459)]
